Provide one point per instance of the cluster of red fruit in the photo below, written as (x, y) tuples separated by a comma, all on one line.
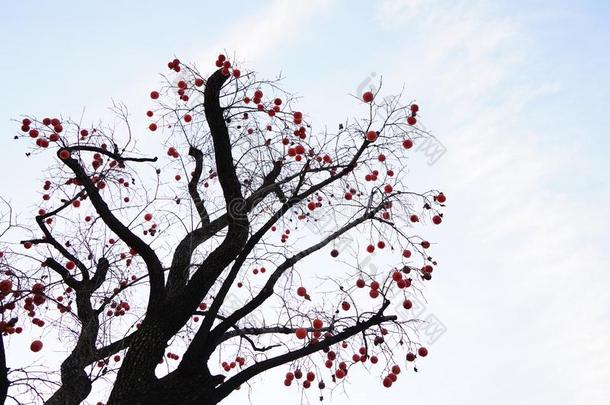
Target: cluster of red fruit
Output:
[(374, 287), (391, 377), (411, 120), (297, 117), (173, 356), (9, 327), (43, 142), (258, 100), (118, 309), (30, 304), (362, 356), (225, 65), (341, 372), (317, 325), (301, 134), (256, 271), (174, 65), (228, 366), (182, 93), (6, 287), (298, 152), (298, 374), (171, 151), (436, 219), (371, 248), (331, 356), (350, 194), (426, 270), (312, 205), (152, 230), (400, 280), (97, 161)]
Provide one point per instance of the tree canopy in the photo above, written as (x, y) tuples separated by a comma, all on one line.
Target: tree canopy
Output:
[(179, 278)]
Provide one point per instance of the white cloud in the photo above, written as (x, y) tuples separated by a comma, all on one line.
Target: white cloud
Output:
[(532, 255), (275, 25)]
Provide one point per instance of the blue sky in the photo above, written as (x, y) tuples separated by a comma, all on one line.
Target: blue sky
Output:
[(518, 92)]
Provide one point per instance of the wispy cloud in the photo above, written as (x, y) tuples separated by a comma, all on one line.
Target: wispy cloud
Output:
[(530, 251), (273, 26)]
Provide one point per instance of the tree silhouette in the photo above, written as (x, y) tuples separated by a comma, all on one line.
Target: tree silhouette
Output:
[(235, 250)]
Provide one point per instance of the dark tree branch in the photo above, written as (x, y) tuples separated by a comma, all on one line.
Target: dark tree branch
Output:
[(4, 382), (61, 249), (284, 330), (267, 289), (231, 384), (116, 155), (182, 256), (64, 273), (155, 269), (100, 273), (194, 182), (76, 384), (199, 349), (113, 347), (220, 135)]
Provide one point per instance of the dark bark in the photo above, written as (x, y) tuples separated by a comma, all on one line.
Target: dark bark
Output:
[(137, 377), (225, 165), (76, 384), (178, 389), (4, 382), (194, 183)]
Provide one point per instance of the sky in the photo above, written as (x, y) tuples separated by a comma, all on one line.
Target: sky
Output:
[(516, 93)]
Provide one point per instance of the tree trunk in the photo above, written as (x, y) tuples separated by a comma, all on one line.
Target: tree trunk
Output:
[(4, 383), (136, 382), (75, 388), (174, 389)]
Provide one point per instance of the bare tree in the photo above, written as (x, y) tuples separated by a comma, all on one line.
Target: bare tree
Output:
[(215, 251)]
